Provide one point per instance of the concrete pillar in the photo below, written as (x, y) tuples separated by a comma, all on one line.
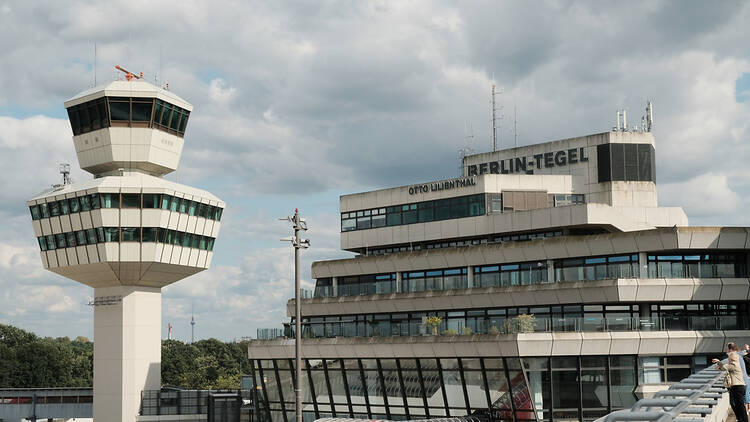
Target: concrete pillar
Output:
[(127, 350), (470, 276), (398, 281), (335, 284), (550, 271), (643, 264)]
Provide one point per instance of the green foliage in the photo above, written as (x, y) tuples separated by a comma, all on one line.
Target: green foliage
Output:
[(30, 361)]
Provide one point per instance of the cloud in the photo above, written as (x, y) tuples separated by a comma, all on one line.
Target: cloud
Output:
[(296, 103)]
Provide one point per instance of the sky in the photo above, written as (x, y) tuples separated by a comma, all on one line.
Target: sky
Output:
[(297, 103)]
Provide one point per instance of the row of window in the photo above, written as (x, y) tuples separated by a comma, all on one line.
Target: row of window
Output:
[(95, 201), (418, 212), (395, 389), (125, 234), (122, 111), (710, 265), (597, 268), (568, 318), (466, 242), (572, 388), (698, 265)]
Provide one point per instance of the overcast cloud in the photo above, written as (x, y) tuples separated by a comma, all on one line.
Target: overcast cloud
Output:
[(299, 102)]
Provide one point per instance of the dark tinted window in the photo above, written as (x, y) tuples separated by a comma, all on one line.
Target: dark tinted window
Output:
[(142, 110), (119, 109), (150, 200), (626, 162), (131, 200)]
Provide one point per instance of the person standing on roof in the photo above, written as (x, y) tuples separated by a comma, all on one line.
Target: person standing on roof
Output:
[(734, 381)]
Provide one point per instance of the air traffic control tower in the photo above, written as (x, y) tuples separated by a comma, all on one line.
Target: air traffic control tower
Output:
[(127, 232)]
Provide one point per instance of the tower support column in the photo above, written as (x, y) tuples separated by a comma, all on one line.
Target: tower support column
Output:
[(127, 350)]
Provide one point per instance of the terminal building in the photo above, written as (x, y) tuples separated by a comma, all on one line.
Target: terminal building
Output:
[(546, 283)]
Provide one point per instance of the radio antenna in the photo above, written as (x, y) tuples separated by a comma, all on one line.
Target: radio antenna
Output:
[(515, 123), (495, 118)]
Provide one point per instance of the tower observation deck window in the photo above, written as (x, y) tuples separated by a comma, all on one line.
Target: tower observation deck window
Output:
[(127, 112)]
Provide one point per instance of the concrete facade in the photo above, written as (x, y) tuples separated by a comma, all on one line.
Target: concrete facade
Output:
[(128, 232), (562, 277)]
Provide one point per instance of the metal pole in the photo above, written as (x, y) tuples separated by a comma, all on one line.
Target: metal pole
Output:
[(298, 321)]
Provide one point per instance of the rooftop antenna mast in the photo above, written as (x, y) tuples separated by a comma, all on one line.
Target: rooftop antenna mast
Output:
[(468, 147), (65, 171), (495, 118), (515, 124), (94, 64)]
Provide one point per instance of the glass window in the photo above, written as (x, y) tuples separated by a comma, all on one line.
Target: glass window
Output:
[(348, 224), (119, 109), (192, 208), (183, 205), (131, 200), (42, 243), (174, 203), (91, 235), (217, 216), (111, 234), (75, 123), (165, 199), (64, 209), (202, 243), (85, 203), (187, 240), (60, 240), (51, 243), (35, 215), (175, 123), (54, 208), (95, 201), (131, 234), (110, 200), (80, 238), (166, 115), (149, 234), (70, 237), (150, 200), (142, 110), (183, 122), (44, 210), (157, 110), (74, 204)]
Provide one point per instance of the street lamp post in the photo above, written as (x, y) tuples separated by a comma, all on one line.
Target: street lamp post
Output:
[(299, 224)]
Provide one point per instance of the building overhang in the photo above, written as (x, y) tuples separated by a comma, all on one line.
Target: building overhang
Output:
[(614, 291), (660, 239), (643, 343)]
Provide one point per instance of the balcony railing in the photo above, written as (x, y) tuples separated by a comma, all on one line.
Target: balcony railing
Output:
[(521, 324)]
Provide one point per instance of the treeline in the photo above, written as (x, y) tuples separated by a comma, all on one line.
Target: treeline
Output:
[(29, 361)]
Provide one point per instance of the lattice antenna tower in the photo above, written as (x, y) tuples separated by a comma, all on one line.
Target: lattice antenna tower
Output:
[(515, 124), (468, 147), (495, 117)]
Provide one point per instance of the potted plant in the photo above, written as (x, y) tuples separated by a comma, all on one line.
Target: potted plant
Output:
[(434, 322)]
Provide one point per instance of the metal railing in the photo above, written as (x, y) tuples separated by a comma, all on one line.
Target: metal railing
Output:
[(690, 400), (537, 324)]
